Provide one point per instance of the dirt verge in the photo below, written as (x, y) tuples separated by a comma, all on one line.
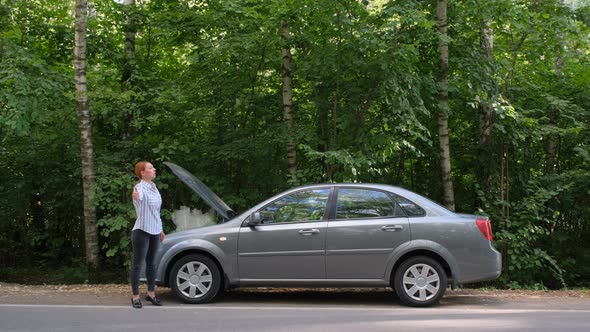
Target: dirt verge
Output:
[(113, 294)]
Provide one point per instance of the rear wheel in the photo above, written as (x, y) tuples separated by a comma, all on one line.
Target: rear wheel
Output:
[(420, 281), (195, 279)]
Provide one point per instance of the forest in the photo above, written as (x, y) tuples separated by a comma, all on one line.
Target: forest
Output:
[(482, 106)]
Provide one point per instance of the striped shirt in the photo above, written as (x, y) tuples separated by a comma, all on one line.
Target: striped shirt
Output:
[(147, 208)]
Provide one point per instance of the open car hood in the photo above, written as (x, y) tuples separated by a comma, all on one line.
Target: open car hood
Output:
[(202, 190)]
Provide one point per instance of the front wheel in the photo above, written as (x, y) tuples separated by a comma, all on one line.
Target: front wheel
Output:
[(420, 281), (195, 279)]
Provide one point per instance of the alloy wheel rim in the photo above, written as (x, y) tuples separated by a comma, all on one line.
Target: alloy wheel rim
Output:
[(421, 282), (194, 280)]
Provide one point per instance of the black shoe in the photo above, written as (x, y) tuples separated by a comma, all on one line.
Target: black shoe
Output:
[(154, 301), (136, 303)]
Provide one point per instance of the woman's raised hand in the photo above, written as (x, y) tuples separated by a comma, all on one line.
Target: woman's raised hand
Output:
[(135, 194)]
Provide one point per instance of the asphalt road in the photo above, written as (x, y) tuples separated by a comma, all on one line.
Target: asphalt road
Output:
[(293, 311), (284, 318)]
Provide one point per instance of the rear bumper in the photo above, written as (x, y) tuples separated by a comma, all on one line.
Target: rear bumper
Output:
[(489, 268), (483, 277)]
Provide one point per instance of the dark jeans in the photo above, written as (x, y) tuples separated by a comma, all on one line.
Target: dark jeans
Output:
[(145, 246)]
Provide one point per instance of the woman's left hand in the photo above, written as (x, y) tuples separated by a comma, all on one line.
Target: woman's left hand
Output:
[(135, 194), (162, 236)]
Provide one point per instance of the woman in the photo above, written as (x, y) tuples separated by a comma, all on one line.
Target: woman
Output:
[(147, 232)]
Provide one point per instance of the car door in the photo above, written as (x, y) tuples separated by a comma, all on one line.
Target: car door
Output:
[(366, 227), (290, 241)]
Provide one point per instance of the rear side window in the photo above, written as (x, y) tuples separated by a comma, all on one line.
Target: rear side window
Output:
[(364, 203), (411, 209)]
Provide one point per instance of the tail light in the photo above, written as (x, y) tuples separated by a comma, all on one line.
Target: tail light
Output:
[(485, 227)]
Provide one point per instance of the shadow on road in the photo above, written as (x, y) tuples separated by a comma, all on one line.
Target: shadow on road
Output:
[(302, 297)]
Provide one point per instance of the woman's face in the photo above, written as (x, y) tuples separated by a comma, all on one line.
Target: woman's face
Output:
[(149, 172)]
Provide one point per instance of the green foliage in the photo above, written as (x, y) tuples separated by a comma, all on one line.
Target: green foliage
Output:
[(521, 235), (206, 92), (114, 187), (65, 275)]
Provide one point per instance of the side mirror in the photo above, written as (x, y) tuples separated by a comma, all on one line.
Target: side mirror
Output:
[(255, 219)]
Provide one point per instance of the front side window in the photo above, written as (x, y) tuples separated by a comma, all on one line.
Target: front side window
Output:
[(363, 203), (306, 205)]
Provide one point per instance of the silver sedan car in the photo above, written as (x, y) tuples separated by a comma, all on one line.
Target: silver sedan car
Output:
[(330, 235)]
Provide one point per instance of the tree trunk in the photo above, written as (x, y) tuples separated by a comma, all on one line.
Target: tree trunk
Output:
[(86, 153), (553, 138), (128, 63), (334, 144), (443, 102), (485, 111), (551, 147), (322, 106), (288, 101), (508, 80)]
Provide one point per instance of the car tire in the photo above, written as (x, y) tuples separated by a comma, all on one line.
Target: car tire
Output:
[(420, 281), (195, 279)]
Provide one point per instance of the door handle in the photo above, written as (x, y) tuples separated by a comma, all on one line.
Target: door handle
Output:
[(307, 232), (392, 228)]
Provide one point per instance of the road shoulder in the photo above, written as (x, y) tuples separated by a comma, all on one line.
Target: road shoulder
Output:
[(113, 294)]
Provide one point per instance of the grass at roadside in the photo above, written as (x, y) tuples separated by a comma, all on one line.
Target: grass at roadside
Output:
[(57, 276)]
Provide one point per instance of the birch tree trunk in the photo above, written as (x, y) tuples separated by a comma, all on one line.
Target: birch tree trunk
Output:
[(288, 101), (86, 153), (443, 101)]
